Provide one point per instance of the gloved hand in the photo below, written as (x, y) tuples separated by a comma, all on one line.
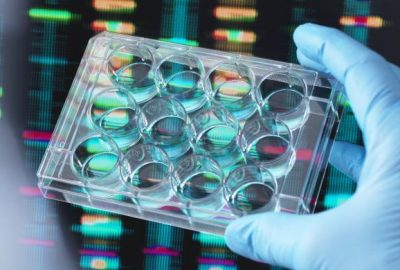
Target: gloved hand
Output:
[(363, 232)]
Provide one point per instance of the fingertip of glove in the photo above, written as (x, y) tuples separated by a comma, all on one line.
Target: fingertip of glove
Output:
[(235, 236), (303, 28), (230, 234)]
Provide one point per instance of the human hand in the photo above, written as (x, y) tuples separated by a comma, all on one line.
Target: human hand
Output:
[(363, 232)]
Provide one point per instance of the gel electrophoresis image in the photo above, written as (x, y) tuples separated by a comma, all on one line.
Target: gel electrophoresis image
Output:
[(41, 45)]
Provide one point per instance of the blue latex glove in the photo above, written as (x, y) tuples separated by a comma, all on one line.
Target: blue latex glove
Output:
[(363, 232)]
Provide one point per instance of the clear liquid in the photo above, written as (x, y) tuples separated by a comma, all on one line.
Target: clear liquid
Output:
[(235, 97), (151, 181), (283, 101), (148, 175), (268, 148), (199, 185), (168, 130), (250, 197), (218, 140), (138, 79), (185, 87), (274, 153), (170, 134), (95, 158), (114, 112), (121, 120), (98, 165)]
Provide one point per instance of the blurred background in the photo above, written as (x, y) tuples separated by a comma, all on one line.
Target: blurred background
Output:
[(41, 44)]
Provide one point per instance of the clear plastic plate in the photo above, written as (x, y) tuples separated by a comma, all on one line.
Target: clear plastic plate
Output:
[(188, 136)]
